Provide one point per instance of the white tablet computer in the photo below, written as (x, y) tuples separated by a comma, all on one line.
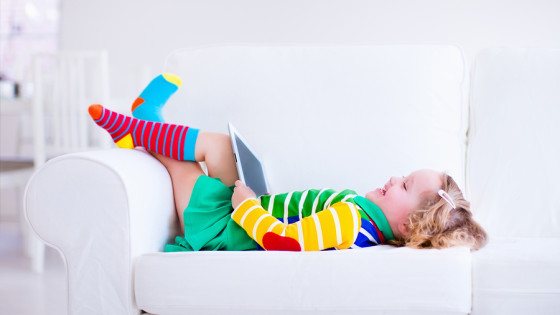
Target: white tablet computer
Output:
[(249, 166)]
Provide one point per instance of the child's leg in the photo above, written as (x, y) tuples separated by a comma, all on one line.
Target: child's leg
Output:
[(183, 177), (174, 141), (215, 150)]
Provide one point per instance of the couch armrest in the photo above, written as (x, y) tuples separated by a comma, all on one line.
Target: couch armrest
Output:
[(100, 210)]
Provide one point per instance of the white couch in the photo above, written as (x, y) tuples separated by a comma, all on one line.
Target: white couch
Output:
[(339, 117)]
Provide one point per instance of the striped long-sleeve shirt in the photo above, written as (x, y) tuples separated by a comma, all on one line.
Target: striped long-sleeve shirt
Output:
[(313, 220)]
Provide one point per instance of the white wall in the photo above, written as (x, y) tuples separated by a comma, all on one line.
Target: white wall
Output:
[(140, 33)]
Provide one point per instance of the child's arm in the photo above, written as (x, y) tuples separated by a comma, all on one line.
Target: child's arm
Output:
[(336, 226)]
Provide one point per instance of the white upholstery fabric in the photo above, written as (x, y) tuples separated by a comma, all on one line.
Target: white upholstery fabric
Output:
[(342, 117), (514, 142), (512, 179), (517, 276), (375, 280), (100, 210)]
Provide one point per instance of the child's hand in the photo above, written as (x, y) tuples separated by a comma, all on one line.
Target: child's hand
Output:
[(241, 193)]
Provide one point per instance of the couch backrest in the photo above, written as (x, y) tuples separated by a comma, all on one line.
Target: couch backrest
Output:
[(336, 116), (513, 168)]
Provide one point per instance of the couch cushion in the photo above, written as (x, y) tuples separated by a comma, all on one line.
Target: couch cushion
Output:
[(517, 276), (342, 117), (514, 142), (377, 280)]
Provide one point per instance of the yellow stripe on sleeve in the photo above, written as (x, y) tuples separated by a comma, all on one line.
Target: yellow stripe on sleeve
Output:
[(309, 234), (251, 216), (328, 229), (337, 227), (264, 226), (347, 215), (256, 226), (240, 211)]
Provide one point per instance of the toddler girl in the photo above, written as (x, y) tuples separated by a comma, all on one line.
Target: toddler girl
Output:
[(425, 209)]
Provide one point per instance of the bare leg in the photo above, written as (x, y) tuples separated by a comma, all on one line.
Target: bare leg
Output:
[(215, 149), (183, 177), (212, 148)]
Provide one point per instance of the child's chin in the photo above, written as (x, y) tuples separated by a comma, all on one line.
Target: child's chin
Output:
[(372, 196)]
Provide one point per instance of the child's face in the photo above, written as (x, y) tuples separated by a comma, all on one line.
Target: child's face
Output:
[(401, 195)]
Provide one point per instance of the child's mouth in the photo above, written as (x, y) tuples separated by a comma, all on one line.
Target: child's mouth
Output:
[(382, 191)]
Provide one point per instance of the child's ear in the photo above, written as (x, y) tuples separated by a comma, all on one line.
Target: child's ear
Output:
[(403, 229)]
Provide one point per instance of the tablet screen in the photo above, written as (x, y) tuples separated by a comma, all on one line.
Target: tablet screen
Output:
[(251, 172)]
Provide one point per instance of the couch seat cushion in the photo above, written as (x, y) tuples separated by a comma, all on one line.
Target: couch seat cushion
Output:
[(517, 276), (403, 280)]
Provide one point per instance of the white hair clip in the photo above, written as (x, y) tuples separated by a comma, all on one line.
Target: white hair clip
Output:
[(445, 196)]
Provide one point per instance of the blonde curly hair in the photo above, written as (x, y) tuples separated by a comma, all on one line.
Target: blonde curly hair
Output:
[(437, 225)]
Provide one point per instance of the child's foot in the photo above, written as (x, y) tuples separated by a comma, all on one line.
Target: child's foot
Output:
[(174, 141), (150, 102)]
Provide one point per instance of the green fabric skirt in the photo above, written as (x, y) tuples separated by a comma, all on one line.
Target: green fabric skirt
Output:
[(208, 222)]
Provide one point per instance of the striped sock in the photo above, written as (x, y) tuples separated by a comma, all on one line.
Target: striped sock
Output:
[(150, 102), (174, 141)]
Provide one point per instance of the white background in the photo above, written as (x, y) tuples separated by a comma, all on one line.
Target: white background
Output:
[(139, 34)]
